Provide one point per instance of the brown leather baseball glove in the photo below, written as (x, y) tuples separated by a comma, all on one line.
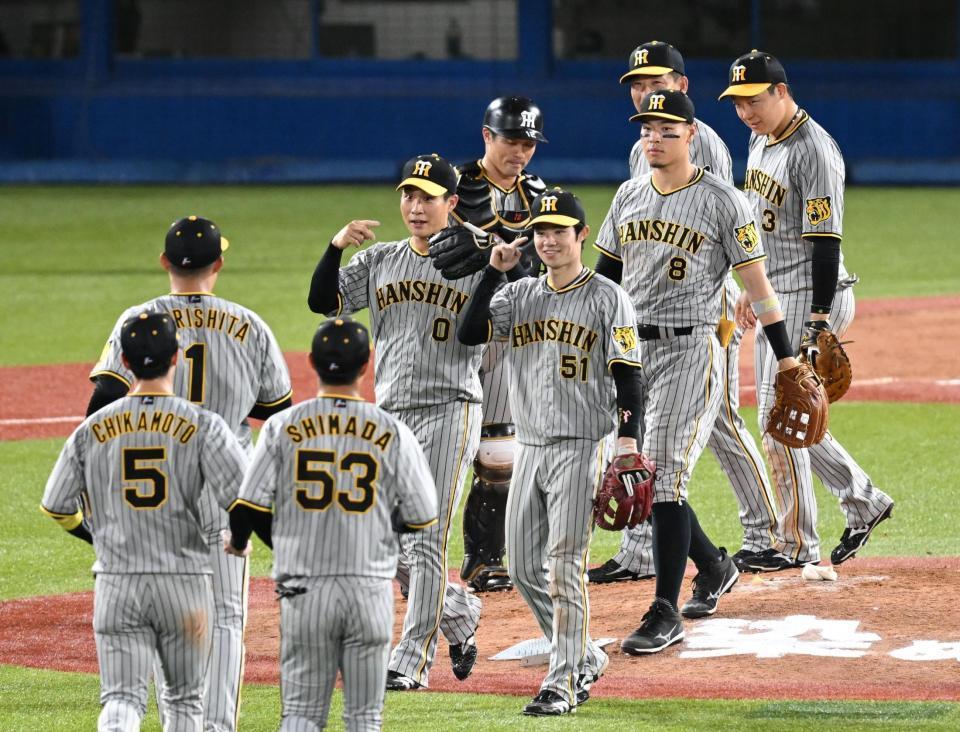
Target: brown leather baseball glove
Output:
[(801, 409), (626, 494), (820, 347)]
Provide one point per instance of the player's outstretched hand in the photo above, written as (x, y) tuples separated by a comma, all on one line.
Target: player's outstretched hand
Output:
[(226, 537), (505, 257), (355, 233), (743, 313)]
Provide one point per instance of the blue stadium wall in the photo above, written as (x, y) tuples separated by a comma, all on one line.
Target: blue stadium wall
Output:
[(93, 119)]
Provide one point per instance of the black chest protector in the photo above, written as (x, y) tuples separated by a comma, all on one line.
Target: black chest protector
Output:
[(479, 199)]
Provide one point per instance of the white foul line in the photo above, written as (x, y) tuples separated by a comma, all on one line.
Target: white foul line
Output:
[(40, 420)]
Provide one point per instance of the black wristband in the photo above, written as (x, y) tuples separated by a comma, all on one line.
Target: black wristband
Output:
[(779, 340), (626, 377)]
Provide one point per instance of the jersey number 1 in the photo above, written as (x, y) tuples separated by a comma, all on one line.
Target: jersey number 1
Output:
[(196, 354)]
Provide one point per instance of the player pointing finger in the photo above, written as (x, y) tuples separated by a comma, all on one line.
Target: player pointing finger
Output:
[(356, 233)]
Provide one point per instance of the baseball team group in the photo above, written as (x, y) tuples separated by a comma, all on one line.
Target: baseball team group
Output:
[(578, 396)]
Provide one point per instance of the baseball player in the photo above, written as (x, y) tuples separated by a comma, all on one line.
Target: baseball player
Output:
[(572, 338), (494, 195), (234, 367), (795, 183), (426, 378), (671, 236), (654, 66), (330, 481), (142, 465)]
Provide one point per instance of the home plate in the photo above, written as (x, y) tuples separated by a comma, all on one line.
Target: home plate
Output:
[(535, 651)]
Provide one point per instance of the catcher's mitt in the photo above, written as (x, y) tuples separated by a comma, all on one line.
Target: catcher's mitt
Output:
[(821, 348), (626, 494), (800, 410), (460, 251)]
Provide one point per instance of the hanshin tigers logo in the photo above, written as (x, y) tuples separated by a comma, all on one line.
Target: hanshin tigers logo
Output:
[(625, 337), (747, 237), (818, 210)]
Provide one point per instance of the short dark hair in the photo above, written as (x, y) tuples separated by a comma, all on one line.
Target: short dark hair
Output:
[(339, 379), (772, 89), (153, 371), (191, 272)]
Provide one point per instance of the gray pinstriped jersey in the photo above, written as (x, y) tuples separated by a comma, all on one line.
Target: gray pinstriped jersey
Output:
[(562, 343), (332, 469), (229, 358), (144, 462), (414, 314), (796, 188), (677, 248), (707, 150)]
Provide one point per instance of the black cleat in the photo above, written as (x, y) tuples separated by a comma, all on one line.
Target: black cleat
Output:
[(610, 571), (661, 627), (853, 540), (491, 579), (548, 704), (768, 560), (396, 681), (709, 586), (463, 657)]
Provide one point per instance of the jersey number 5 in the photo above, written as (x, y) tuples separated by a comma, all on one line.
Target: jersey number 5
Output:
[(357, 499), (135, 471)]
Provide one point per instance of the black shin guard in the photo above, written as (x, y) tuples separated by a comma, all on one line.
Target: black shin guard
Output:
[(671, 543), (483, 529)]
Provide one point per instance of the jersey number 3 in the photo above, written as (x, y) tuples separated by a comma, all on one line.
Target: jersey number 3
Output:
[(357, 499)]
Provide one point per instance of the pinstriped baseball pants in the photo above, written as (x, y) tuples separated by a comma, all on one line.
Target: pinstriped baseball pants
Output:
[(860, 499)]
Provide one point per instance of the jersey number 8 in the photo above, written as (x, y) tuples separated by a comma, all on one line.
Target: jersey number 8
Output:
[(357, 499)]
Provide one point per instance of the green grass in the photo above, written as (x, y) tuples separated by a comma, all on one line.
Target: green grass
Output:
[(74, 258), (25, 704), (923, 522)]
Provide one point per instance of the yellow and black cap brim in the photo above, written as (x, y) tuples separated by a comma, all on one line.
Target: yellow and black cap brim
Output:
[(646, 71), (640, 116), (558, 219), (427, 186), (745, 90)]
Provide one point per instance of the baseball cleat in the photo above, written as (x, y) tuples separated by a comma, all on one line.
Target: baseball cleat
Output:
[(548, 704), (585, 682), (396, 681), (491, 579), (854, 539), (709, 585), (661, 627), (610, 571), (463, 657), (768, 560)]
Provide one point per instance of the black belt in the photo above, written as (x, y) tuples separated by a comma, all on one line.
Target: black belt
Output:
[(653, 332)]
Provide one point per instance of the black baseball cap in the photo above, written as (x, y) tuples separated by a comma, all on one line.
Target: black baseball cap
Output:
[(653, 59), (194, 242), (149, 340), (666, 104), (753, 73), (558, 207), (340, 347), (431, 174)]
